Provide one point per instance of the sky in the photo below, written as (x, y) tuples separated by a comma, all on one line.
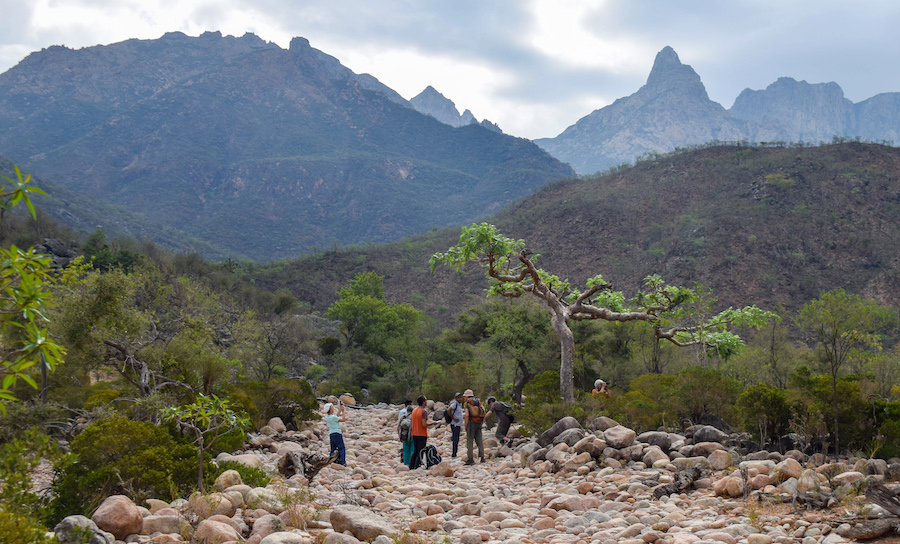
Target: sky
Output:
[(534, 67)]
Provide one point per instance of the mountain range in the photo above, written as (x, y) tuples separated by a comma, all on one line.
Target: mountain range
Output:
[(672, 110), (264, 152)]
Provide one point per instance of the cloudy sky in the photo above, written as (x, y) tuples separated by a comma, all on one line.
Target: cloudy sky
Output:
[(532, 66)]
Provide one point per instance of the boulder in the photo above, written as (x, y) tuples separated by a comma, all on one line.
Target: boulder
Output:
[(602, 423), (165, 524), (284, 537), (619, 437), (720, 459), (277, 425), (789, 468), (362, 523), (570, 436), (550, 434), (227, 479), (212, 504), (708, 433), (215, 532), (652, 455), (703, 449), (81, 530), (119, 516), (656, 438)]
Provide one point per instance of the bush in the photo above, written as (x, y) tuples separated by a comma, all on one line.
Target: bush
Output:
[(764, 412), (23, 416), (22, 511), (252, 476), (120, 456), (291, 400)]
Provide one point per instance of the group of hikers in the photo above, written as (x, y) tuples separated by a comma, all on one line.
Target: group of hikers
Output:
[(465, 410)]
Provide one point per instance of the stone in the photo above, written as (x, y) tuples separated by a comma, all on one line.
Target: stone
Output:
[(247, 459), (164, 524), (361, 522), (428, 523), (720, 459), (119, 516), (602, 423), (789, 468), (550, 434), (154, 505), (703, 449), (209, 505), (656, 438), (283, 537), (277, 424), (227, 479), (442, 469), (75, 529), (619, 437), (215, 532), (654, 455), (708, 433)]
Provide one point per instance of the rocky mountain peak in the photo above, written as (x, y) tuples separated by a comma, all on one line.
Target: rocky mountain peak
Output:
[(433, 103), (668, 73)]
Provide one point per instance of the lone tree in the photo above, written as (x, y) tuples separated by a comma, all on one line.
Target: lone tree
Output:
[(665, 308)]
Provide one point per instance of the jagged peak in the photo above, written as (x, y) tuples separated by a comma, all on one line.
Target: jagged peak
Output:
[(669, 72), (299, 44)]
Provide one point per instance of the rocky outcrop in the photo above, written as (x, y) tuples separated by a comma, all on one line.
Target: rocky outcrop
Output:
[(431, 102)]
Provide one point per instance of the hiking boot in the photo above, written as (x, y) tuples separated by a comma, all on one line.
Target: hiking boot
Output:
[(470, 461), (482, 459)]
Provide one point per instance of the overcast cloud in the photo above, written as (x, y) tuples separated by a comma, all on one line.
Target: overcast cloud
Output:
[(532, 66)]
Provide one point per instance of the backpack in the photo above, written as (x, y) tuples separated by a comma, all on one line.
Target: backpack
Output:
[(478, 414), (508, 410), (404, 428), (448, 415), (430, 456)]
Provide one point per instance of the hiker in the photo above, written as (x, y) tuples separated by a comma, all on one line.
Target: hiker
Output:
[(601, 388), (501, 411), (333, 419), (420, 426), (474, 418), (404, 428), (456, 420)]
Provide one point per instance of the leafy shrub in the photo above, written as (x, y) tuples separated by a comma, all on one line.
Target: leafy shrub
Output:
[(543, 388), (21, 510), (764, 411), (23, 416), (291, 400), (121, 456), (704, 392)]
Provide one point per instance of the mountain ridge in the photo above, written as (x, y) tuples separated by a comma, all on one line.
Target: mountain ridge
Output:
[(673, 110), (266, 152)]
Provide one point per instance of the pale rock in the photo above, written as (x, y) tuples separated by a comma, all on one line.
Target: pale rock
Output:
[(74, 529), (227, 479), (284, 537), (619, 437), (653, 455), (708, 433), (690, 462), (848, 477), (277, 424), (154, 505), (757, 538), (810, 481), (361, 522), (428, 523), (247, 459), (703, 449), (720, 459), (205, 506), (215, 532), (119, 516), (164, 524), (789, 468)]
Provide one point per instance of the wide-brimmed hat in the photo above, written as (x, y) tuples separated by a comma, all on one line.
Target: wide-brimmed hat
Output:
[(468, 393), (327, 408)]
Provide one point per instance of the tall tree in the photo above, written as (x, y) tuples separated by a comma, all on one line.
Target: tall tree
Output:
[(842, 323), (511, 269)]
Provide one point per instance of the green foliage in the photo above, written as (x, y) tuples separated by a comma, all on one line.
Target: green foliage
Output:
[(22, 512), (20, 418), (252, 476), (121, 456), (208, 419), (24, 276), (291, 400), (543, 389), (705, 391), (779, 181), (765, 412)]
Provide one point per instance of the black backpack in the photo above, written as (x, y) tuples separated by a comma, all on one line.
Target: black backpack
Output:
[(508, 410), (430, 456)]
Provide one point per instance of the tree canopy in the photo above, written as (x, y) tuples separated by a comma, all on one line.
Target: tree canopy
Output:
[(669, 310)]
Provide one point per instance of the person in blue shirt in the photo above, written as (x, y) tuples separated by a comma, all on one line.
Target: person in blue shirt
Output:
[(333, 419)]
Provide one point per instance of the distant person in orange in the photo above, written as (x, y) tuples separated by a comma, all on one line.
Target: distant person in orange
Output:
[(601, 388), (419, 433)]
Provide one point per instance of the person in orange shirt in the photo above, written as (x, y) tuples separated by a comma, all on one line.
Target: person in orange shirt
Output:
[(420, 426), (601, 388)]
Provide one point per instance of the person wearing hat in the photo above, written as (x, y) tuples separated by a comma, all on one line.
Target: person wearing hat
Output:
[(456, 420), (474, 418), (333, 419)]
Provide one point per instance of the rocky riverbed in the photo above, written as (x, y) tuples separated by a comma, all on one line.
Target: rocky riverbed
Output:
[(568, 486)]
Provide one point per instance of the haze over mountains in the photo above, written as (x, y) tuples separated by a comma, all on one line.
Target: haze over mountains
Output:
[(673, 110), (238, 147), (264, 152)]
